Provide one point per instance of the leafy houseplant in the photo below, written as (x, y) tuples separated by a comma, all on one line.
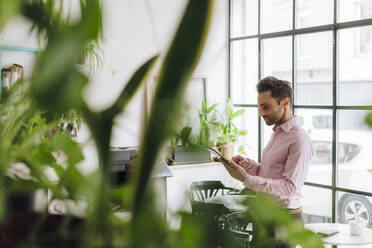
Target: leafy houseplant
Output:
[(29, 146), (206, 128), (57, 86), (207, 124), (192, 149), (228, 131), (89, 51)]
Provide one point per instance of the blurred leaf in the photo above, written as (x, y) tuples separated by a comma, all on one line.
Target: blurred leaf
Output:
[(237, 113), (132, 86), (179, 63), (185, 135), (242, 132), (7, 10), (275, 225), (91, 21), (69, 147), (211, 108), (368, 119), (57, 85), (204, 106)]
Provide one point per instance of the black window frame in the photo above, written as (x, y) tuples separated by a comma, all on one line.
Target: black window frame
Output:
[(334, 28)]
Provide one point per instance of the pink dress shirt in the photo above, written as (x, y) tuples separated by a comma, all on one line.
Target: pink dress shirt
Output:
[(285, 164)]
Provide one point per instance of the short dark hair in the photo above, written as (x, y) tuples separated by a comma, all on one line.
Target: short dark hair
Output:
[(279, 89)]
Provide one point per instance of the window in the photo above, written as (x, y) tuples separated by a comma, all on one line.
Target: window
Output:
[(327, 60), (303, 50), (363, 36), (322, 121)]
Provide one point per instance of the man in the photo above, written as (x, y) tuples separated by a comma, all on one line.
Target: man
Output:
[(286, 158)]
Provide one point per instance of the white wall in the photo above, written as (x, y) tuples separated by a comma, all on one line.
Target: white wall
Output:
[(136, 30), (133, 32)]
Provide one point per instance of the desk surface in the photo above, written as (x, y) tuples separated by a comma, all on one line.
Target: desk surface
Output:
[(231, 201), (344, 237)]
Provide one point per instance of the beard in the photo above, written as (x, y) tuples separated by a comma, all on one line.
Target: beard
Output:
[(269, 121), (273, 119)]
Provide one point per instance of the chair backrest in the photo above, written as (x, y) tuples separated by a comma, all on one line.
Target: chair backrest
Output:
[(200, 191), (240, 226)]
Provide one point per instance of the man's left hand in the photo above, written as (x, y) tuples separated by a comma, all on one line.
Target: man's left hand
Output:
[(235, 170)]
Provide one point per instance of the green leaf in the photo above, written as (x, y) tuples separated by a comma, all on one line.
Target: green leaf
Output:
[(7, 10), (185, 135), (368, 119), (91, 20), (242, 132), (211, 108), (229, 112), (132, 86), (179, 63), (57, 84), (204, 106), (237, 113)]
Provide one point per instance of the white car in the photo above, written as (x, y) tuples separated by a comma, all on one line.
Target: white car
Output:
[(354, 172)]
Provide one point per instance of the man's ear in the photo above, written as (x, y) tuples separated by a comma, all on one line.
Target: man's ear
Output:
[(286, 101)]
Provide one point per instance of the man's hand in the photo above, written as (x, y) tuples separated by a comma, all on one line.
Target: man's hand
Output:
[(245, 163), (235, 170)]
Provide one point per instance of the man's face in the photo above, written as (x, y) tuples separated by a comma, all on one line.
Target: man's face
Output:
[(269, 109)]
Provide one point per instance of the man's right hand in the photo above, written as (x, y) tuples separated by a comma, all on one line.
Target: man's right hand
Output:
[(243, 162)]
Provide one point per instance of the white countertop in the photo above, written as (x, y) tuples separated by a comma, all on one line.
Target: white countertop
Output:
[(344, 237)]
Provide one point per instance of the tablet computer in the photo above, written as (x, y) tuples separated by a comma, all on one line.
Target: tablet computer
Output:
[(219, 155)]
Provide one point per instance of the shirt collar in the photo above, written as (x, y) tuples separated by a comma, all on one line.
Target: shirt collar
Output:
[(288, 125)]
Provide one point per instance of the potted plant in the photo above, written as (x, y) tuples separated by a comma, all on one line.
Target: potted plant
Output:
[(228, 132), (190, 148)]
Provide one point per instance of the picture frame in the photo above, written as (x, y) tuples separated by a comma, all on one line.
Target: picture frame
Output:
[(195, 93)]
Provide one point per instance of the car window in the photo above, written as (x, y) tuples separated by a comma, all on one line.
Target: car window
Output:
[(323, 152)]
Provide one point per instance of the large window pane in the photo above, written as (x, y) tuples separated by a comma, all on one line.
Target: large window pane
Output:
[(354, 207), (355, 74), (244, 71), (354, 151), (276, 15), (277, 58), (313, 85), (351, 10), (249, 122), (316, 204), (314, 69), (314, 13), (244, 17), (318, 123), (267, 133)]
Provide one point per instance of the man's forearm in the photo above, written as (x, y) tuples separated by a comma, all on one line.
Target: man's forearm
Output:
[(276, 187)]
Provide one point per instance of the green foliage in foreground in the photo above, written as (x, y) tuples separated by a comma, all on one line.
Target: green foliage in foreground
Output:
[(57, 86)]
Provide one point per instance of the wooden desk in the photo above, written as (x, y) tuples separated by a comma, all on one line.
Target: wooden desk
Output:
[(342, 238)]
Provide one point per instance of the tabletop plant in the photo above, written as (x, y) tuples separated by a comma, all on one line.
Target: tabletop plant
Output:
[(57, 85), (228, 132), (207, 120), (206, 128)]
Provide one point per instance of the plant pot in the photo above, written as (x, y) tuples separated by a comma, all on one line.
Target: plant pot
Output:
[(188, 155), (46, 229), (20, 202), (227, 149)]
